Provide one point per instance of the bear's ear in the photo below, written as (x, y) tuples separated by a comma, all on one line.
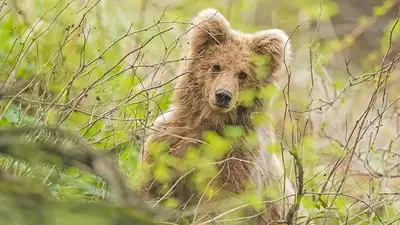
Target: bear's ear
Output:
[(275, 44), (208, 28)]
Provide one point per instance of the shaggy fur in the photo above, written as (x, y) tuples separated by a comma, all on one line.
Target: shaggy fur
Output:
[(224, 59)]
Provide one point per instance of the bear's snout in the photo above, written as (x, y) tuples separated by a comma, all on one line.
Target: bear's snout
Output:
[(223, 98)]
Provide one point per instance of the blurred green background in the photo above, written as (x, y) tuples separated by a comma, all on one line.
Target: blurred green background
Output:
[(105, 69)]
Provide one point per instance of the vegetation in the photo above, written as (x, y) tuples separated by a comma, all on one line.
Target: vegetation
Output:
[(81, 82)]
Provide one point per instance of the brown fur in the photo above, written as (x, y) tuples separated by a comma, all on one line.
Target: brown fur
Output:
[(213, 42)]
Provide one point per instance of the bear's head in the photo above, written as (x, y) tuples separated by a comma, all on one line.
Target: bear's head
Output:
[(225, 62)]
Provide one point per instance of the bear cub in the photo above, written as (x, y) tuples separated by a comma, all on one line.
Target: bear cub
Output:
[(224, 64)]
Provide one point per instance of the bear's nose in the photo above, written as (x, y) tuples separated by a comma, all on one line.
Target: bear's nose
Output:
[(223, 97)]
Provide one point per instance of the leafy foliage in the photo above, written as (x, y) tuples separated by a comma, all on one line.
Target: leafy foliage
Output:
[(105, 70)]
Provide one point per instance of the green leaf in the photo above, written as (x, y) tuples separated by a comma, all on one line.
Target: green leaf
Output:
[(233, 131), (246, 97), (13, 114), (162, 172), (218, 145)]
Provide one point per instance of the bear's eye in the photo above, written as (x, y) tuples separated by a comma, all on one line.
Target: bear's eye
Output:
[(216, 69), (242, 75)]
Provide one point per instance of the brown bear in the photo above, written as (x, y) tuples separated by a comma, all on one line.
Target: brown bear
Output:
[(224, 63)]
